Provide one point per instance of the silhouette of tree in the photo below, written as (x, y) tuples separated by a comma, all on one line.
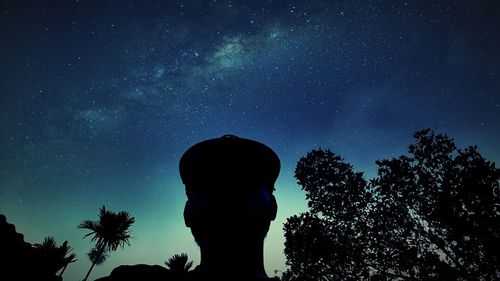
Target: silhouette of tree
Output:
[(178, 264), (109, 232), (432, 215), (55, 257)]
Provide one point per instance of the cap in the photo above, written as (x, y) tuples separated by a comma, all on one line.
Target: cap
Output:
[(229, 161)]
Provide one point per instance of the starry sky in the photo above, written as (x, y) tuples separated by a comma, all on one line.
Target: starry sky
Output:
[(99, 99)]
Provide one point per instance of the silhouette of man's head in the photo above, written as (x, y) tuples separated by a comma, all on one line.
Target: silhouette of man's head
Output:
[(229, 184)]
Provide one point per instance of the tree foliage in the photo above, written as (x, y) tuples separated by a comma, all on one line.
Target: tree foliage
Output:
[(431, 215), (111, 231), (55, 258), (178, 264)]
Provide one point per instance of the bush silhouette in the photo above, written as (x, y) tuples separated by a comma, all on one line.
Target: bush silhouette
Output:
[(179, 265), (55, 258)]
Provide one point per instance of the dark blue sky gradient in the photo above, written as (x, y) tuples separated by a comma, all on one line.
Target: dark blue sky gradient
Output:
[(99, 99)]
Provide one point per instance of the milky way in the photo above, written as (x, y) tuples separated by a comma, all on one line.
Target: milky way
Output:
[(99, 101)]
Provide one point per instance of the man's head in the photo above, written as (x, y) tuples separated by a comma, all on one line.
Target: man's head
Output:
[(229, 184)]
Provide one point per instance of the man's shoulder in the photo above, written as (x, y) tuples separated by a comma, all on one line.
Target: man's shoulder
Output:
[(139, 272), (144, 272), (199, 275)]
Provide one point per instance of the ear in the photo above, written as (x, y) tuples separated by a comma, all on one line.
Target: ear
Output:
[(188, 213), (273, 209)]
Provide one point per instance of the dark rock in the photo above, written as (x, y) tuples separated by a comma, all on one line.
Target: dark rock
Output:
[(19, 260)]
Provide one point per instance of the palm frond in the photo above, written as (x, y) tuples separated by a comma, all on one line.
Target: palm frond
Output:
[(93, 226), (71, 258), (179, 263), (49, 243)]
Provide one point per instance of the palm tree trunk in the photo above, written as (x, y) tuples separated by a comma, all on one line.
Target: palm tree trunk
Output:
[(101, 248)]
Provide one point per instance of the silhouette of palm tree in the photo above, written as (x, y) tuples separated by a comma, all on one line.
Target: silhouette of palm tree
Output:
[(109, 232), (178, 264), (55, 257)]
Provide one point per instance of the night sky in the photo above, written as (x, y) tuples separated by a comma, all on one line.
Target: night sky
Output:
[(99, 99)]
